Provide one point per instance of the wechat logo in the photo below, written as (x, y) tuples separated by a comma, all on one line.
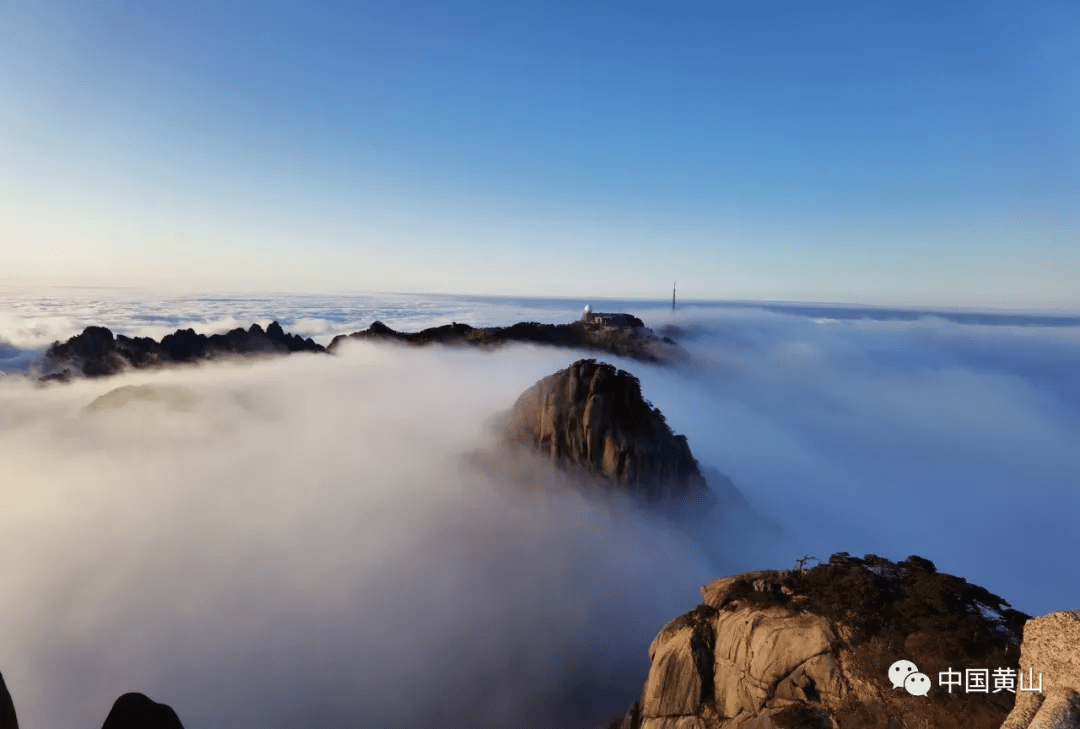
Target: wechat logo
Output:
[(905, 674)]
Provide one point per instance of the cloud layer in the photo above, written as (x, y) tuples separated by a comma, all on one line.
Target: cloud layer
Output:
[(958, 442), (301, 541), (304, 541)]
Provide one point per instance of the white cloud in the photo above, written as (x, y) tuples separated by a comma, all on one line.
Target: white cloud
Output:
[(265, 542), (254, 544)]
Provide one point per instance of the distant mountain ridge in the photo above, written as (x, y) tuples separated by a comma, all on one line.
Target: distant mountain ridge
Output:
[(625, 335), (97, 352)]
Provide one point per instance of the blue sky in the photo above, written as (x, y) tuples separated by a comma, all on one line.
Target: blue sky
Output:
[(900, 153)]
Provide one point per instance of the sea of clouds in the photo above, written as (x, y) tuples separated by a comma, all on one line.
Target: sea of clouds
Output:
[(304, 541)]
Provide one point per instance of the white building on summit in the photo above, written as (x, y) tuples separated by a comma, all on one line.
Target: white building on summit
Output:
[(588, 316)]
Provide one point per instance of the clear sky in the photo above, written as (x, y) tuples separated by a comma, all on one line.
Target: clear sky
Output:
[(876, 152)]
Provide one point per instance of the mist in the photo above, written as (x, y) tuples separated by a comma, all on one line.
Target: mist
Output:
[(959, 442), (306, 540), (302, 541)]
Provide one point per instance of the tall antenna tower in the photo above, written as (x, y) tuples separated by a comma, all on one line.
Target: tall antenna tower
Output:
[(673, 295)]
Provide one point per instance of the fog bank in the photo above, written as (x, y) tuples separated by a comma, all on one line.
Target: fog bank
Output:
[(304, 541), (300, 541)]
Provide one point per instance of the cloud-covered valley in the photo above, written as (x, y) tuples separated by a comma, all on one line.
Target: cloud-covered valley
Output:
[(303, 540)]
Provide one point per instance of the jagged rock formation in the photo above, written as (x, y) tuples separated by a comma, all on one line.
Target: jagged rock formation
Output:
[(97, 353), (1051, 648), (7, 708), (592, 417), (627, 337), (810, 649)]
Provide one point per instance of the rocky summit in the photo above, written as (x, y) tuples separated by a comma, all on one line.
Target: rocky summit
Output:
[(592, 417), (96, 352), (813, 649)]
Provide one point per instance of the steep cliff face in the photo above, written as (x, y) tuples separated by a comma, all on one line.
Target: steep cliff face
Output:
[(1050, 655), (591, 416), (809, 649)]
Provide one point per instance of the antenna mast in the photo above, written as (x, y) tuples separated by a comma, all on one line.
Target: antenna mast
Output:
[(673, 295)]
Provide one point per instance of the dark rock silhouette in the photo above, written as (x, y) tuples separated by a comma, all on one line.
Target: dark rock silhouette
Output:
[(813, 647), (130, 711), (592, 417), (7, 708), (627, 337), (138, 711), (97, 353)]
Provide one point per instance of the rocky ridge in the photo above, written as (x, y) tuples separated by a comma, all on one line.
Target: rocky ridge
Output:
[(628, 337), (96, 352)]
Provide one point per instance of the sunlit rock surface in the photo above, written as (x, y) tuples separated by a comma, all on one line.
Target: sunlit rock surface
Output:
[(592, 417), (1050, 654), (811, 648)]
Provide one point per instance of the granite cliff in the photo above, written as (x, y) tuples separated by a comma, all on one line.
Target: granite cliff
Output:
[(591, 418), (1051, 651), (812, 648)]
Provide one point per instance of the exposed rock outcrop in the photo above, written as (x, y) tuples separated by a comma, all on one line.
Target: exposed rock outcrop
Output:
[(627, 337), (97, 353), (7, 708), (1050, 657), (812, 648), (592, 417)]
